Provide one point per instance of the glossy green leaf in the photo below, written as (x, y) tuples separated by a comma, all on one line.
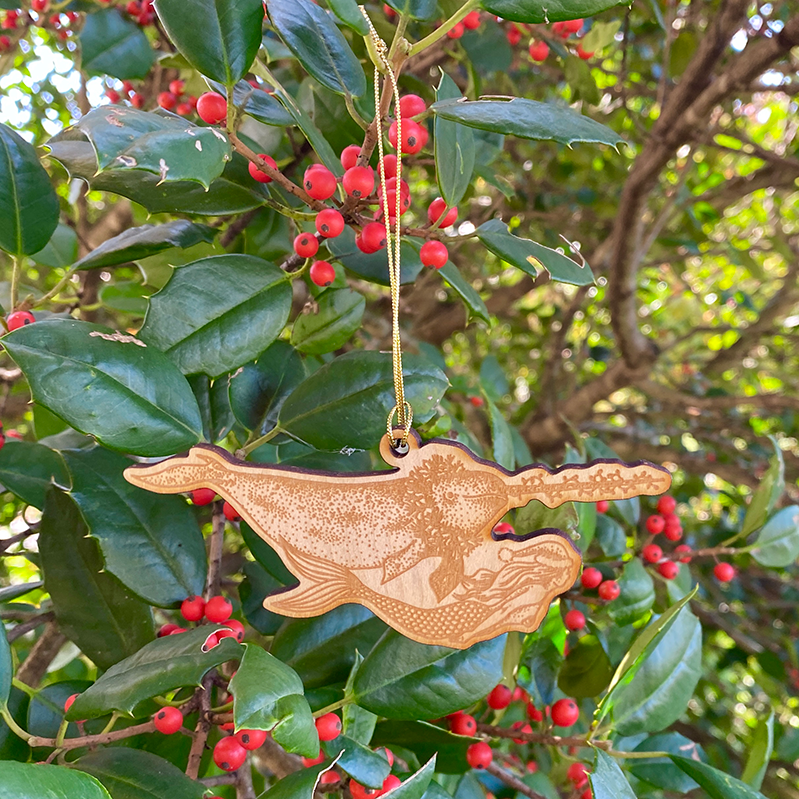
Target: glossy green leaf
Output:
[(330, 323), (257, 584), (111, 44), (109, 385), (266, 556), (28, 203), (544, 11), (777, 544), (765, 497), (6, 668), (130, 525), (322, 649), (140, 242), (760, 748), (356, 722), (416, 9), (454, 148), (133, 774), (531, 257), (361, 763), (231, 34), (415, 786), (349, 13), (162, 665), (402, 679), (233, 192), (12, 747), (296, 731), (580, 78), (207, 331), (660, 771), (257, 103), (608, 780), (374, 267), (28, 780), (28, 468), (258, 390), (299, 785), (92, 607), (527, 119), (587, 669), (259, 682), (473, 301), (425, 740), (345, 403), (214, 403), (501, 439), (637, 594), (46, 710), (62, 249), (543, 660), (717, 784), (310, 33), (586, 523), (611, 536), (10, 592)]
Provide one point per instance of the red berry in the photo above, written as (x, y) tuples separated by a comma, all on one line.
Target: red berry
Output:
[(210, 642), (655, 524), (314, 761), (532, 767), (463, 724), (578, 774), (456, 31), (322, 273), (684, 551), (437, 209), (539, 51), (145, 18), (479, 755), (414, 136), (359, 181), (520, 726), (673, 528), (330, 223), (113, 96), (668, 569), (203, 496), (225, 634), (591, 577), (229, 754), (167, 100), (328, 727), (389, 11), (70, 700), (666, 505), (387, 754), (560, 29), (477, 402), (587, 793), (572, 25), (192, 101), (237, 628), (212, 108), (168, 720), (390, 782), (359, 791), (503, 528), (533, 713), (434, 253), (499, 697), (229, 512), (472, 21), (5, 44), (176, 87), (584, 54), (184, 109), (390, 166), (193, 608), (218, 609), (372, 238), (127, 87), (602, 506), (652, 553), (251, 739), (319, 182), (19, 319), (389, 200), (40, 5), (329, 777), (520, 695), (306, 245), (166, 629), (177, 631), (411, 105), (514, 36), (565, 712), (574, 620), (349, 156), (724, 572), (256, 173), (609, 590)]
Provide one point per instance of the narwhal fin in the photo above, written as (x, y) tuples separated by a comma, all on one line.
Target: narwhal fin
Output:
[(447, 576), (399, 562)]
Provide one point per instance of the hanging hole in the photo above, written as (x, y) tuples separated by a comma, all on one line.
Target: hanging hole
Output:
[(400, 447)]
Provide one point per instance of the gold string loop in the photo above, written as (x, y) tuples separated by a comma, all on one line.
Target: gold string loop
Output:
[(402, 408)]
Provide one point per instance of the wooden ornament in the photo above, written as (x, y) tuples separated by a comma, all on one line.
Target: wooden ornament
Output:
[(415, 544)]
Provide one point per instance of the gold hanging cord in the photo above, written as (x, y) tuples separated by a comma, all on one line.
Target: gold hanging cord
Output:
[(402, 408)]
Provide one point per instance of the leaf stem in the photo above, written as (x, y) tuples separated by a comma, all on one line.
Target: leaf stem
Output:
[(347, 700), (16, 268), (264, 439), (62, 733), (57, 289), (5, 714), (444, 28)]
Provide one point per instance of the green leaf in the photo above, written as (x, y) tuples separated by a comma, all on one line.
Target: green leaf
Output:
[(310, 33), (415, 786), (28, 203), (6, 668), (266, 556), (296, 731), (637, 594), (330, 324), (454, 148), (777, 544), (765, 497), (46, 710), (545, 11), (345, 403), (133, 774), (322, 650), (660, 771), (26, 780), (586, 523), (130, 525), (108, 385), (10, 592), (658, 692), (361, 763), (231, 34), (527, 119), (357, 723), (61, 250), (717, 784), (501, 438), (601, 35), (93, 609), (401, 679), (12, 747), (214, 402), (425, 740), (374, 267), (259, 682), (257, 103), (111, 44), (299, 785), (760, 748), (27, 469), (162, 665), (544, 659), (349, 13), (234, 192), (587, 669), (474, 302), (126, 139), (531, 257), (205, 330), (611, 536), (581, 81), (608, 780), (257, 584), (415, 9), (139, 242)]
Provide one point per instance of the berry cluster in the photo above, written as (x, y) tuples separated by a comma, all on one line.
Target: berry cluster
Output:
[(538, 48)]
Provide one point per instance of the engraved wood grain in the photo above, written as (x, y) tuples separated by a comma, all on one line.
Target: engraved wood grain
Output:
[(415, 544)]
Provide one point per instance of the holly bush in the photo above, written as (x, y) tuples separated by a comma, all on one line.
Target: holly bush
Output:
[(599, 259)]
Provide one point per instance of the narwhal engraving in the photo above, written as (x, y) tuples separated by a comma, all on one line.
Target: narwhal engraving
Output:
[(414, 544)]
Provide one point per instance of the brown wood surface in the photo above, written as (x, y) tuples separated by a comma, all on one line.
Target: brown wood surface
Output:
[(415, 544)]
